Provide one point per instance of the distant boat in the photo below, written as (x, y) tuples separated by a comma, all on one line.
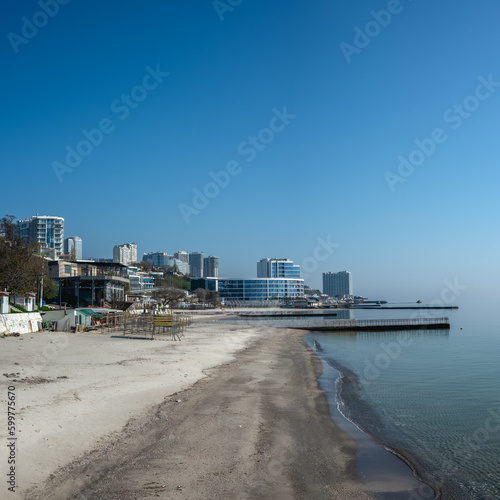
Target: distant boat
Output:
[(419, 301)]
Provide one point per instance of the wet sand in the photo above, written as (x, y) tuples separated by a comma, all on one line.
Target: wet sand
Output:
[(254, 427)]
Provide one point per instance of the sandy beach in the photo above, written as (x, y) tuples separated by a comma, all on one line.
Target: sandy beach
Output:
[(229, 412)]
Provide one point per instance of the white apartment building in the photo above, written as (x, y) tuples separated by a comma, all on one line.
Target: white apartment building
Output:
[(125, 254), (47, 230)]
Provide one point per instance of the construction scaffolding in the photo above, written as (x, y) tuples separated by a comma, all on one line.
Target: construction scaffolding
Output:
[(151, 324)]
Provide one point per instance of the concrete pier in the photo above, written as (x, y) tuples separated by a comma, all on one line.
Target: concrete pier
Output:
[(327, 324), (382, 325)]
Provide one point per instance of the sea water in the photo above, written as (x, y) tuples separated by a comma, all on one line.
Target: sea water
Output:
[(431, 395)]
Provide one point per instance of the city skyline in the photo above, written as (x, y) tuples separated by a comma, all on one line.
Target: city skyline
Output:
[(334, 137)]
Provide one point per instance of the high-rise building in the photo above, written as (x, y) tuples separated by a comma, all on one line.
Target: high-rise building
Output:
[(182, 256), (196, 264), (277, 268), (337, 284), (74, 243), (125, 254), (211, 267), (160, 259), (46, 230)]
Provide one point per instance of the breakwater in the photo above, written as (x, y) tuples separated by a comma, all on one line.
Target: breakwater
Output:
[(321, 323)]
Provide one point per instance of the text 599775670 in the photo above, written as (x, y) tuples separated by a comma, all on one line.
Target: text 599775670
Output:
[(11, 438)]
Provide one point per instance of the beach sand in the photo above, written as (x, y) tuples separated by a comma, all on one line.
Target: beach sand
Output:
[(229, 412)]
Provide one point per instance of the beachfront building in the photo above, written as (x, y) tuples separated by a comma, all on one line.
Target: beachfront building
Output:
[(196, 264), (74, 244), (46, 230), (210, 284), (86, 283), (125, 254), (250, 290), (211, 267), (337, 284), (277, 268)]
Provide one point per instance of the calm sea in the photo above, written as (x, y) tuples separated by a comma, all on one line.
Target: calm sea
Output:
[(433, 396)]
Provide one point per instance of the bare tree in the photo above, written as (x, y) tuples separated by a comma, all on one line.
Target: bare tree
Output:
[(144, 265), (168, 297), (202, 294), (214, 298)]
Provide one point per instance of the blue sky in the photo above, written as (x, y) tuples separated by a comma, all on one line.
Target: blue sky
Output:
[(347, 106)]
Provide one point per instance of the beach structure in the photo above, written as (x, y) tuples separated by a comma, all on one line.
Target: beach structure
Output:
[(321, 322), (4, 303), (89, 283)]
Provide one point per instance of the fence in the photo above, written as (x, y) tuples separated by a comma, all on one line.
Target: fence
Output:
[(149, 324)]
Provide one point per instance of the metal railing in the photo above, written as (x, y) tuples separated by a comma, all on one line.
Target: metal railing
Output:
[(388, 322)]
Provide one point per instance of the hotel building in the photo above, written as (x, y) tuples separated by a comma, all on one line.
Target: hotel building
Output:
[(337, 284), (277, 268)]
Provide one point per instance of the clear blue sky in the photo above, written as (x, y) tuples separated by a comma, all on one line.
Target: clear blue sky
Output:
[(319, 174)]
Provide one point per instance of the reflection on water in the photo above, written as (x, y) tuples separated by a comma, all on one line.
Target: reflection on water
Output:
[(433, 394)]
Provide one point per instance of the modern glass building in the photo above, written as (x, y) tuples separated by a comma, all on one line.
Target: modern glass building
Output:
[(259, 289), (337, 284), (196, 264), (74, 243), (277, 268), (205, 283), (157, 258), (211, 267), (47, 230)]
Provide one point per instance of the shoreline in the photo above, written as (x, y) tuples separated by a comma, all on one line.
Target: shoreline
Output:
[(256, 425), (344, 404)]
